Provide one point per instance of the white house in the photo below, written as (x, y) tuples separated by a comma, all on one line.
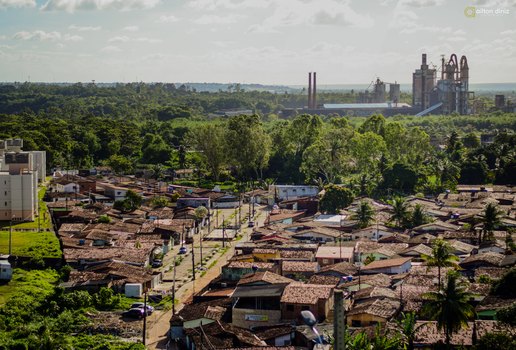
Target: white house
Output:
[(389, 266), (284, 192), (114, 192), (330, 220), (374, 232)]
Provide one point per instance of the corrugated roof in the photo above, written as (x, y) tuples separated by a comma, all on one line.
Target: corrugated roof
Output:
[(365, 105)]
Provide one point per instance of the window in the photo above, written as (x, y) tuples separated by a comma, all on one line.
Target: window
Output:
[(373, 323), (290, 307), (356, 323), (305, 307), (6, 204)]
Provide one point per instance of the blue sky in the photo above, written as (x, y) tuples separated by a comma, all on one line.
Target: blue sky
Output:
[(251, 41)]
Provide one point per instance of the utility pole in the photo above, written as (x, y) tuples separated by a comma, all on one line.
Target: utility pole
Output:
[(193, 259), (144, 317), (10, 235), (223, 232), (200, 240), (174, 289)]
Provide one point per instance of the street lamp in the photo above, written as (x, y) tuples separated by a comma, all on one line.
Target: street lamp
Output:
[(310, 320)]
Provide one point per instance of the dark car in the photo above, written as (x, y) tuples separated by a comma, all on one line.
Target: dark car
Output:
[(141, 305), (183, 250), (250, 224), (133, 313), (157, 263)]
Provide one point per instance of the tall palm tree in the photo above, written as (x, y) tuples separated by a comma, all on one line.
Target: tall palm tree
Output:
[(400, 211), (441, 257), (491, 220), (450, 306), (364, 214)]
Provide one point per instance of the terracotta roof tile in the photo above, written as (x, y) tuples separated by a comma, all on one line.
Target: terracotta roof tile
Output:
[(299, 293)]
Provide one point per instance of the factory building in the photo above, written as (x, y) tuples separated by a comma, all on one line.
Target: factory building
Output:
[(446, 95), (423, 83), (20, 173)]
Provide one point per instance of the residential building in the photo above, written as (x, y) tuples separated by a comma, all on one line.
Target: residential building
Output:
[(256, 299), (389, 266), (285, 192), (316, 298), (18, 187), (327, 255)]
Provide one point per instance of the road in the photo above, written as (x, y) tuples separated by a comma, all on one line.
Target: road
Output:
[(158, 324)]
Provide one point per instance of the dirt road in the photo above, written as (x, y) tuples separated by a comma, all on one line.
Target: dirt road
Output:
[(158, 324)]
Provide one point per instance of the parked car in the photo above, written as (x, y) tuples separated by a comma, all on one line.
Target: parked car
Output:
[(134, 313), (157, 263), (183, 250), (141, 305), (250, 224)]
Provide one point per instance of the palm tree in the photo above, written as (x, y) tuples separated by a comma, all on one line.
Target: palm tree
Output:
[(441, 257), (400, 211), (364, 214), (450, 306), (491, 220), (408, 329), (418, 216)]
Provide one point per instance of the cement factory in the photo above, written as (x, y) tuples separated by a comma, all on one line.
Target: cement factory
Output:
[(430, 95)]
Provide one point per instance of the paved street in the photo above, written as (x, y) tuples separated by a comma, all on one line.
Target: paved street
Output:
[(158, 323)]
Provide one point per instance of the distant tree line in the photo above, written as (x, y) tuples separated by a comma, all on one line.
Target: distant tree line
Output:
[(160, 126)]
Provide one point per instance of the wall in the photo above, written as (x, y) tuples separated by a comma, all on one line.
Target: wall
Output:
[(239, 317)]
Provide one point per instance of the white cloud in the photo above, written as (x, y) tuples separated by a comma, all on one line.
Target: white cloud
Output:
[(131, 28), (228, 4), (168, 19), (39, 35), (110, 49), (17, 3), (125, 39), (215, 19), (508, 32), (422, 3), (75, 5), (122, 39), (69, 37), (148, 40), (84, 28), (305, 12)]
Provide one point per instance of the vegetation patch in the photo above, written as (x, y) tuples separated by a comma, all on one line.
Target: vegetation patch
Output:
[(30, 243)]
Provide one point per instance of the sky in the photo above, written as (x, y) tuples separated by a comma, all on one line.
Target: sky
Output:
[(252, 41)]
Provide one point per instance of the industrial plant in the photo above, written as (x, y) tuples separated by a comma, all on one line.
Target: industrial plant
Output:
[(430, 95)]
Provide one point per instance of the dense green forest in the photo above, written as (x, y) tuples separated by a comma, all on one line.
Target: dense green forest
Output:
[(132, 126)]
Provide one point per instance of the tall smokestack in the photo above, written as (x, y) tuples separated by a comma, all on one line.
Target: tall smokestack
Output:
[(310, 90), (314, 93), (424, 60)]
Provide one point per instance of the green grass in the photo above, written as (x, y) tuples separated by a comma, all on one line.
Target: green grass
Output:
[(43, 244), (34, 282)]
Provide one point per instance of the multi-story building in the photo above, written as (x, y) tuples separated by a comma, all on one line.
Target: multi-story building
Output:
[(20, 172)]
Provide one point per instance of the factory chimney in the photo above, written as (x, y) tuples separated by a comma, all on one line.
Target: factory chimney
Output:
[(314, 92), (310, 90), (423, 63)]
